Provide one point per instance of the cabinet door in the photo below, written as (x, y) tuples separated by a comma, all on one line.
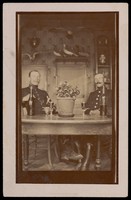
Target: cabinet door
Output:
[(104, 58)]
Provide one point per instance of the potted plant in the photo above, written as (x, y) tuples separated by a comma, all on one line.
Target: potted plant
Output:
[(66, 96)]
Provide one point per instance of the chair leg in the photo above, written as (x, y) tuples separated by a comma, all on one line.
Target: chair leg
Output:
[(77, 146), (78, 151), (56, 146), (49, 150), (88, 152), (35, 144)]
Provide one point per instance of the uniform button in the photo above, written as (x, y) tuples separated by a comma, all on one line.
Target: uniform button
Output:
[(96, 98), (94, 106), (99, 91), (98, 95), (96, 103)]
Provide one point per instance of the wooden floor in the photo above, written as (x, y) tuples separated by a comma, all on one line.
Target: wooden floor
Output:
[(38, 160)]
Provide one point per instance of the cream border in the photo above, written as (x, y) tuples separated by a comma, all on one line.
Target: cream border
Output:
[(10, 188)]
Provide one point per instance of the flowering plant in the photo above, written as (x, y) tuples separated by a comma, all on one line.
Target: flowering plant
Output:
[(66, 90)]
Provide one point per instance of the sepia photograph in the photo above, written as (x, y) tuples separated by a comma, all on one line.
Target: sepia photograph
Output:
[(67, 97), (66, 63)]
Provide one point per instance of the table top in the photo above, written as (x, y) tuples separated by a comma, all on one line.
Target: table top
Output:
[(77, 119)]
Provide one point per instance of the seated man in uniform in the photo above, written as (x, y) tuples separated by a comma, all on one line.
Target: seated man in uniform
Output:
[(40, 97), (94, 100), (93, 108)]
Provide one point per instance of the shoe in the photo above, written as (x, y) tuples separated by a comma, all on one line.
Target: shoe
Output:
[(75, 156), (83, 168), (64, 156)]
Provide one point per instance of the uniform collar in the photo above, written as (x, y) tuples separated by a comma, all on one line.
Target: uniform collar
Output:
[(34, 86), (99, 90)]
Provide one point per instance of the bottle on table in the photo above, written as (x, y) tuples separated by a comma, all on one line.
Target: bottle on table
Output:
[(103, 105), (31, 102)]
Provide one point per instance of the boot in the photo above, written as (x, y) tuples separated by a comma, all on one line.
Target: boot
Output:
[(86, 162)]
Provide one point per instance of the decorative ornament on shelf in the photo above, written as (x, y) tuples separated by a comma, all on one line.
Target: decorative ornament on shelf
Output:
[(34, 42), (56, 51), (33, 56), (68, 52), (102, 59), (103, 40), (69, 34)]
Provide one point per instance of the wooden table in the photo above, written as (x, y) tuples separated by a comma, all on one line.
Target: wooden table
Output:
[(55, 125)]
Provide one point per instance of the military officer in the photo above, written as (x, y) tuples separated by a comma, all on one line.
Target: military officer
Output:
[(94, 100), (93, 108), (40, 97)]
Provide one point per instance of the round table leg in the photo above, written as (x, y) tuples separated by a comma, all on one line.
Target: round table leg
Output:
[(98, 159), (26, 152), (49, 151)]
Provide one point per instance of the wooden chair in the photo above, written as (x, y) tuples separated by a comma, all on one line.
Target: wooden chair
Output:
[(51, 144)]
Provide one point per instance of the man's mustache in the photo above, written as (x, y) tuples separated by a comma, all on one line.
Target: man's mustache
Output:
[(98, 82)]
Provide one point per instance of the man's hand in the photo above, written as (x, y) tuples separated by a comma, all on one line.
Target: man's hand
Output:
[(26, 98), (24, 111), (95, 112)]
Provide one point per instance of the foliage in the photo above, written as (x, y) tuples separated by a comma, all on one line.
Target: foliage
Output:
[(66, 90)]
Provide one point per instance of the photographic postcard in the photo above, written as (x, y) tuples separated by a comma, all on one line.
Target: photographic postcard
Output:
[(76, 53)]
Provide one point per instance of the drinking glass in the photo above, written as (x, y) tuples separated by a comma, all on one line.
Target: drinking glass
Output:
[(51, 107), (83, 106), (47, 110)]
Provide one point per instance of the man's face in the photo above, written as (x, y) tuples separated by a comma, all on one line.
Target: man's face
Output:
[(99, 81), (34, 78)]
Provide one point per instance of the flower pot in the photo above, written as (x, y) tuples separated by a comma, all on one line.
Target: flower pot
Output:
[(65, 106)]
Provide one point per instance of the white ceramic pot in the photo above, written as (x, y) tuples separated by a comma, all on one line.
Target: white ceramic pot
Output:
[(65, 106)]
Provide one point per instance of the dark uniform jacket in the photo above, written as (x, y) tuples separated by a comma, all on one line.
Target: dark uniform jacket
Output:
[(40, 98), (93, 102)]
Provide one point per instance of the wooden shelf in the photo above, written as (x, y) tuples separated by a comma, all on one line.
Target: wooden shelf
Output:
[(103, 66), (107, 82), (72, 59)]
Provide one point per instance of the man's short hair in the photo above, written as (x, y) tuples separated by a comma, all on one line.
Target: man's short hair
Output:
[(99, 76), (32, 71)]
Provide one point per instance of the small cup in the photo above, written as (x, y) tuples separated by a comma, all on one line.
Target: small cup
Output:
[(47, 110)]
